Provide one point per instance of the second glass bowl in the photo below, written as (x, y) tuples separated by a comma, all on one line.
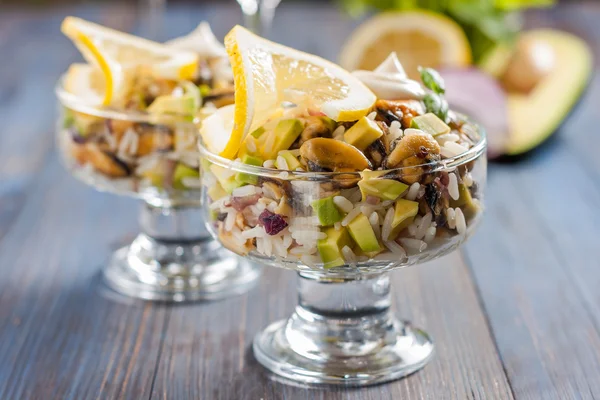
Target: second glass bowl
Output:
[(156, 160), (343, 232)]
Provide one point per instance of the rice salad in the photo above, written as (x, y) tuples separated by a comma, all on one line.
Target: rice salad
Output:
[(399, 184), (146, 138)]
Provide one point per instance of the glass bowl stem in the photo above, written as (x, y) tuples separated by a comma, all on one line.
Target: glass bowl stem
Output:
[(344, 333)]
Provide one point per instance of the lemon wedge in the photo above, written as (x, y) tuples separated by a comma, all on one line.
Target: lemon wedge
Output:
[(420, 38), (114, 53), (216, 129), (267, 74), (85, 83)]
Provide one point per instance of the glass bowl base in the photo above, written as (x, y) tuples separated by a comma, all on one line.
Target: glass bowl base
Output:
[(178, 272), (352, 361)]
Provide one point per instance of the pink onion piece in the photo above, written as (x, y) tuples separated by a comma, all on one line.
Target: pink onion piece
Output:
[(479, 96)]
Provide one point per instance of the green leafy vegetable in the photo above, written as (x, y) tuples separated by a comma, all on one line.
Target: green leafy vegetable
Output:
[(432, 80), (436, 104)]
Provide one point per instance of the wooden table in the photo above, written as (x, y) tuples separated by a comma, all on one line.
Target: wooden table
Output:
[(515, 314)]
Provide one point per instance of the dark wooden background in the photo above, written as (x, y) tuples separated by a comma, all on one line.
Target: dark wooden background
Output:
[(515, 314)]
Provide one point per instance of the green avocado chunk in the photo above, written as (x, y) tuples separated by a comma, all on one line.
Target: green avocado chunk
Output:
[(291, 161), (245, 178), (227, 181), (330, 248), (430, 123), (404, 214), (257, 132), (363, 133), (183, 171), (361, 231), (465, 201), (286, 132), (385, 189), (327, 211)]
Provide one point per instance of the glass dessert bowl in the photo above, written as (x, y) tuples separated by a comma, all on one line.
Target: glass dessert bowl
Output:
[(342, 177), (143, 144), (343, 232)]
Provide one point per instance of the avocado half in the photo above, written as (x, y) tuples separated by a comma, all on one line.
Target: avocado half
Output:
[(533, 117), (517, 123)]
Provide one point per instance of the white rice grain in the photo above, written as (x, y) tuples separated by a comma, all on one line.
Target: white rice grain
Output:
[(453, 186), (395, 128), (230, 219), (413, 244), (468, 179), (244, 191), (412, 131), (281, 163), (350, 216), (374, 221), (257, 231), (452, 149), (367, 210), (338, 133), (395, 248), (337, 226), (448, 137), (343, 203), (386, 228), (430, 234), (451, 218), (372, 115), (461, 224), (269, 164), (349, 255), (424, 224), (413, 190)]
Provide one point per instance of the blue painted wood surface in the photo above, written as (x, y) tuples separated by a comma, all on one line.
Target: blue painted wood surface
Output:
[(515, 314)]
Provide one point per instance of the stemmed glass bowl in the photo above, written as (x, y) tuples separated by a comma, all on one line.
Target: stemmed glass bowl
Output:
[(154, 159), (342, 332)]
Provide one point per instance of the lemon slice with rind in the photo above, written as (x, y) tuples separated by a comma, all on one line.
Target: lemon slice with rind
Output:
[(114, 53), (268, 74), (420, 38)]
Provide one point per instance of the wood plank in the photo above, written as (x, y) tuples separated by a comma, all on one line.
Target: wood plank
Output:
[(27, 99), (531, 261), (207, 347), (62, 335)]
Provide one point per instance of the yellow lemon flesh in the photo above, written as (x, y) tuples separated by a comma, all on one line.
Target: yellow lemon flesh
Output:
[(420, 38), (268, 74), (114, 53)]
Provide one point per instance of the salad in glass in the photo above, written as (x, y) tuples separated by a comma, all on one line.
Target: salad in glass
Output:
[(342, 177)]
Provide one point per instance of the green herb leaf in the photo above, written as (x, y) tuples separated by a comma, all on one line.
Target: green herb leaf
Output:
[(432, 80), (434, 103)]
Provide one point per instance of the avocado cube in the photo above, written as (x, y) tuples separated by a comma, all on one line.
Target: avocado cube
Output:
[(327, 211), (257, 132), (216, 192), (430, 123), (223, 175), (286, 132), (291, 161), (245, 178), (404, 214), (385, 189), (330, 248), (362, 232), (363, 133), (183, 171), (465, 200)]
